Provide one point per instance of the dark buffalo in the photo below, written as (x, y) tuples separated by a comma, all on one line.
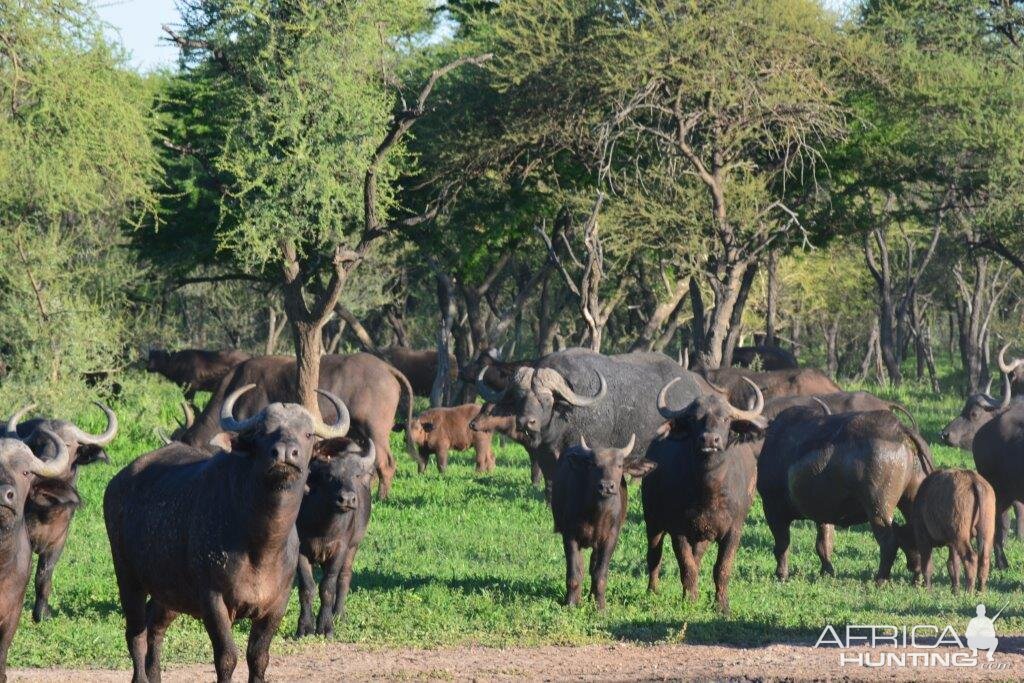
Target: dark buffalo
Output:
[(770, 357), (800, 382), (213, 536), (438, 430), (998, 448), (837, 402), (589, 502), (19, 471), (702, 488), (420, 367), (52, 502), (841, 470), (332, 523), (371, 389), (578, 393), (194, 369), (952, 508)]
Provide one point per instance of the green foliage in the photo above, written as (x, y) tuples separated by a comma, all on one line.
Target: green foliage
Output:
[(75, 162)]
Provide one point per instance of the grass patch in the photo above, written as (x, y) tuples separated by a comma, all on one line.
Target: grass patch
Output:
[(471, 559)]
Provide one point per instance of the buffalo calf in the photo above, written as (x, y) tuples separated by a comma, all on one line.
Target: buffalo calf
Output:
[(19, 470), (438, 430), (588, 501), (702, 488), (951, 508), (332, 522)]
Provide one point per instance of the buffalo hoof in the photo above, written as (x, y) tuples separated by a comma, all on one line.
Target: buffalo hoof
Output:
[(305, 629), (881, 581), (827, 570), (41, 612), (325, 631), (1001, 563), (723, 608)]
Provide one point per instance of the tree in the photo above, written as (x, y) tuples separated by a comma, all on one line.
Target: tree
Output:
[(312, 142)]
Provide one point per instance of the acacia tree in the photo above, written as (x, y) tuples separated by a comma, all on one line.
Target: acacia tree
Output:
[(75, 162), (313, 145)]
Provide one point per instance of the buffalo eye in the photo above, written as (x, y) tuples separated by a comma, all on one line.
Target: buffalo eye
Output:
[(309, 435)]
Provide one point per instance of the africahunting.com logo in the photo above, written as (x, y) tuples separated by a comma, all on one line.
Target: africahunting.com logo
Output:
[(922, 645)]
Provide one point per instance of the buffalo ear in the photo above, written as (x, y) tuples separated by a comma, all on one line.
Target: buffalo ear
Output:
[(398, 427), (90, 454), (331, 448), (224, 441), (639, 467), (746, 426), (51, 494)]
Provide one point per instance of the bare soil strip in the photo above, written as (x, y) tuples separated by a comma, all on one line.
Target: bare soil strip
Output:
[(620, 662)]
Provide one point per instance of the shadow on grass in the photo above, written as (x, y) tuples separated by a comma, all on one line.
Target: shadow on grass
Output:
[(719, 631), (510, 589)]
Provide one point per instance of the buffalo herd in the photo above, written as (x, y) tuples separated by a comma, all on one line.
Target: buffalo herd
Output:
[(252, 493)]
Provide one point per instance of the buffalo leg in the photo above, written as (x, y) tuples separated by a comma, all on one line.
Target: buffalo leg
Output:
[(780, 532), (727, 547), (6, 636), (158, 618), (133, 604), (1018, 512), (385, 464), (257, 653), (573, 570), (689, 571), (970, 561), (655, 539), (442, 459), (1002, 524), (306, 587), (344, 582), (329, 593), (600, 558), (44, 583), (887, 547), (953, 565), (218, 626), (925, 549), (536, 476), (823, 546), (984, 558)]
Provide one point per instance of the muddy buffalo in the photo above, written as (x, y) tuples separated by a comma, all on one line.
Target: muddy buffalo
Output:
[(194, 369), (589, 502), (952, 508), (213, 536), (19, 471), (52, 502), (702, 488), (842, 470), (370, 388)]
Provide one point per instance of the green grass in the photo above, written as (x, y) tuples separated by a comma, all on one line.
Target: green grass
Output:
[(471, 559)]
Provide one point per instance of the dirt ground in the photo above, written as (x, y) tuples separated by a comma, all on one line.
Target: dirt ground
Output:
[(620, 662)]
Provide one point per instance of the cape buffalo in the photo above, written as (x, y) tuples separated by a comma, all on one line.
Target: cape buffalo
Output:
[(589, 502), (799, 382), (420, 367), (213, 536), (332, 522), (998, 449), (437, 430), (194, 369), (574, 393), (702, 488), (953, 507), (369, 387), (841, 470), (52, 502), (19, 471), (771, 357)]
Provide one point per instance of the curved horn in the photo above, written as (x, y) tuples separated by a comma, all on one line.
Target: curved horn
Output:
[(371, 451), (12, 423), (552, 379), (758, 404), (190, 415), (340, 426), (166, 440), (57, 467), (663, 408), (628, 448), (685, 362), (227, 418), (486, 393), (1008, 367), (1007, 392), (583, 444), (824, 406), (988, 387), (103, 439)]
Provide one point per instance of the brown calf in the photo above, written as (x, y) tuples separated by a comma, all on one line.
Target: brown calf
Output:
[(439, 430), (952, 507)]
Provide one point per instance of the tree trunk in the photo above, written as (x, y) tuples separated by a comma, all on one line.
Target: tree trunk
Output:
[(831, 330), (440, 393), (275, 326), (773, 299), (362, 336), (736, 319), (308, 350)]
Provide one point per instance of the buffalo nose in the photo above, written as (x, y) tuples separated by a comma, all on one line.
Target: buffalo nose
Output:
[(712, 441), (607, 488), (288, 453), (348, 499), (7, 494)]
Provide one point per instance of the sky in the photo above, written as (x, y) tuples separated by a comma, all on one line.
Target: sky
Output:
[(138, 23)]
